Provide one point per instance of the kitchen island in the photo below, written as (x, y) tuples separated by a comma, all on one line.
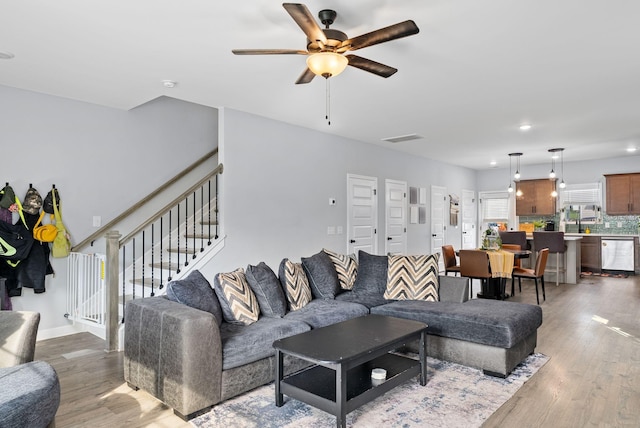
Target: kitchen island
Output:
[(570, 266)]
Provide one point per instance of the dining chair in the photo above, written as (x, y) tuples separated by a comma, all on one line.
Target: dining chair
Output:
[(516, 261), (554, 241), (474, 264), (535, 274), (515, 237), (450, 262)]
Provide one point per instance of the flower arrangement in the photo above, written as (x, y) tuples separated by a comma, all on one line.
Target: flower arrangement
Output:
[(491, 239)]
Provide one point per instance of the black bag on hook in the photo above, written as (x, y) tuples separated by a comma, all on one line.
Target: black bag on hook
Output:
[(15, 242), (47, 205)]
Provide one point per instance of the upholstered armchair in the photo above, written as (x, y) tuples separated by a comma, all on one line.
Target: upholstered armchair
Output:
[(18, 332), (29, 390)]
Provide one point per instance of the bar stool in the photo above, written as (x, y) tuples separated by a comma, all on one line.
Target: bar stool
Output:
[(554, 241), (450, 262), (474, 264)]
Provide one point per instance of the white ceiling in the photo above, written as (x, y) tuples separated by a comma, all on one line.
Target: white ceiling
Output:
[(476, 70)]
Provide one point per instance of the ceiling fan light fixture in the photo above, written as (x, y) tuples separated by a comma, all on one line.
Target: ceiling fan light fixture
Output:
[(327, 64)]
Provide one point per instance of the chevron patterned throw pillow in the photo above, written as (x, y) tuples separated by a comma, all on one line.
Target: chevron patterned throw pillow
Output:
[(346, 267), (240, 301), (295, 284), (412, 278)]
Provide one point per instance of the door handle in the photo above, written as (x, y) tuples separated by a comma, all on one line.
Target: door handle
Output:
[(434, 235), (352, 241), (389, 238)]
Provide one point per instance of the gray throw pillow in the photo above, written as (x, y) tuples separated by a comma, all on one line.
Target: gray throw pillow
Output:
[(238, 302), (322, 275), (195, 292), (266, 286), (372, 274)]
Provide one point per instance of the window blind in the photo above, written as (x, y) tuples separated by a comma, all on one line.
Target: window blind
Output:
[(495, 207), (582, 194)]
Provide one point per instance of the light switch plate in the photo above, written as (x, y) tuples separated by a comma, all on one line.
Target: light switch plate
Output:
[(97, 221)]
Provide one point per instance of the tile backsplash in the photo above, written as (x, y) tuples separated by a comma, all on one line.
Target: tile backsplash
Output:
[(618, 225)]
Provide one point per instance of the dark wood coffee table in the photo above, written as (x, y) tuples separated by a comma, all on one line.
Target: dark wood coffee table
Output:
[(344, 354)]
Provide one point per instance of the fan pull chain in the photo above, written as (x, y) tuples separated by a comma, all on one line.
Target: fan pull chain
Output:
[(328, 103)]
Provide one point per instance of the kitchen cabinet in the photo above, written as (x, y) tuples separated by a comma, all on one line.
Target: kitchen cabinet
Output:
[(535, 198), (591, 256), (623, 194)]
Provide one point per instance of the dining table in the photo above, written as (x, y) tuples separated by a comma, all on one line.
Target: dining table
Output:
[(501, 262)]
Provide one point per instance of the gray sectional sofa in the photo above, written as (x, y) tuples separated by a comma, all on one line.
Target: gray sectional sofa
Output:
[(181, 348)]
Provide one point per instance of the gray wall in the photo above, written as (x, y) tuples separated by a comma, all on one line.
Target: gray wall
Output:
[(103, 160), (278, 179)]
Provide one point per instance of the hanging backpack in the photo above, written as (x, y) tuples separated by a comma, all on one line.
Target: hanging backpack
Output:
[(32, 201), (10, 201), (15, 242), (47, 204), (62, 243), (7, 197)]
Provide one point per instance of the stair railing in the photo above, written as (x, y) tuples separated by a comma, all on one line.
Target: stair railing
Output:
[(110, 225), (160, 249)]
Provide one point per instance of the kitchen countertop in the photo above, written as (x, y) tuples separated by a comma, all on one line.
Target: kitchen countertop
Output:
[(602, 235), (567, 236)]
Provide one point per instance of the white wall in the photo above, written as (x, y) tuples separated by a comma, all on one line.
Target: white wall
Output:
[(278, 179), (101, 159)]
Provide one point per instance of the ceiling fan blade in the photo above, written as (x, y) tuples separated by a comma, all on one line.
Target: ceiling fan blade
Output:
[(306, 77), (306, 21), (269, 52), (396, 31), (371, 66)]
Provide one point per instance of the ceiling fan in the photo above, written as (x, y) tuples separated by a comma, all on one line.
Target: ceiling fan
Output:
[(326, 47)]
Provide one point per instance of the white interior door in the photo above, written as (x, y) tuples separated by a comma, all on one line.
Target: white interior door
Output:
[(362, 214), (469, 211), (438, 216), (396, 217)]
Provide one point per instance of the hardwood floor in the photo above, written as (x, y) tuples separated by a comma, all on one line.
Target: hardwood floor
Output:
[(590, 330)]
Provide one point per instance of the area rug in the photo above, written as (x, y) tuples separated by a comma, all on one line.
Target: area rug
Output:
[(455, 396), (604, 274)]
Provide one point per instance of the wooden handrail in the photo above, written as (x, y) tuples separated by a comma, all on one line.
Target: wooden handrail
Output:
[(218, 170), (100, 232)]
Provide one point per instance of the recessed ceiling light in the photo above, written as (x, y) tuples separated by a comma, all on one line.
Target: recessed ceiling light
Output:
[(169, 83), (632, 149), (525, 127), (6, 55)]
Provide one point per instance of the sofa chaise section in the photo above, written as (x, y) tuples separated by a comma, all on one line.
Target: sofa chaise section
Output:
[(493, 336)]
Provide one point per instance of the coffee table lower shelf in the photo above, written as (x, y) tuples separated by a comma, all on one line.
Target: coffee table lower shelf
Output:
[(316, 385)]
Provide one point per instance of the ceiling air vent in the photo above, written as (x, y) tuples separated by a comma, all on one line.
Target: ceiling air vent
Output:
[(402, 138)]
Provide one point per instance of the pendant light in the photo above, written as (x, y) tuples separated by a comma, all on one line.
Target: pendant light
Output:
[(510, 189), (552, 173), (517, 174)]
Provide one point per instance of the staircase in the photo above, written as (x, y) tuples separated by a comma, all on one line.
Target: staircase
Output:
[(181, 236)]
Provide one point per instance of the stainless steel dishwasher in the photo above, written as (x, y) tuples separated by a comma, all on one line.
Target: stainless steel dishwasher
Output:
[(618, 253)]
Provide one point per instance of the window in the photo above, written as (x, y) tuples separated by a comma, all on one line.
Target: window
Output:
[(497, 207), (581, 203), (582, 194)]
